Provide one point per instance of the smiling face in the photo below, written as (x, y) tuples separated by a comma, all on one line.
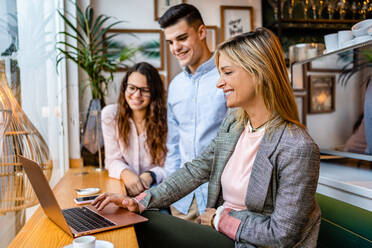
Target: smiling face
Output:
[(237, 84), (186, 43), (137, 101)]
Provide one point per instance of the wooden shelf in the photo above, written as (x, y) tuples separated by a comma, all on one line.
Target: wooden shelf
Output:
[(320, 21), (360, 45), (311, 24)]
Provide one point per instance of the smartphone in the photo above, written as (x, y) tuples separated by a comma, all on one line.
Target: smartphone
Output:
[(85, 199)]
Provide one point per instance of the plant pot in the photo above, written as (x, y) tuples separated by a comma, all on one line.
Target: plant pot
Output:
[(92, 138)]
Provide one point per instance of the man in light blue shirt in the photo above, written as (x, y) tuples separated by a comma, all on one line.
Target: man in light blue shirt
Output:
[(196, 107)]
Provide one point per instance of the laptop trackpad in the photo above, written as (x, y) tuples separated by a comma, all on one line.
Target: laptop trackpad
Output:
[(117, 215)]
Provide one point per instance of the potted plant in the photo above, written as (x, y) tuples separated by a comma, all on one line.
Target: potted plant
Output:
[(95, 52)]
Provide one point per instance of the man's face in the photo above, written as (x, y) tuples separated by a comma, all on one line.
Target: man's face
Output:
[(185, 43)]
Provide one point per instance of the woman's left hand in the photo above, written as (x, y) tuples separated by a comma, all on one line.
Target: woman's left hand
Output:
[(207, 217), (118, 199)]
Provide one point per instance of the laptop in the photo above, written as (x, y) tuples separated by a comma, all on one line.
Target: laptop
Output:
[(76, 221)]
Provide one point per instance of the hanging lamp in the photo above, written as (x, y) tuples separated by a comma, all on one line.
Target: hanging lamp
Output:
[(19, 137)]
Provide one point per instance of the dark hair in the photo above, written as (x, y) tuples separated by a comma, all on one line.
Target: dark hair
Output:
[(181, 11), (156, 117)]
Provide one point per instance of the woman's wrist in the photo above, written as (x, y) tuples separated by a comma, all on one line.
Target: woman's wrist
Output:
[(217, 216), (212, 220), (153, 176)]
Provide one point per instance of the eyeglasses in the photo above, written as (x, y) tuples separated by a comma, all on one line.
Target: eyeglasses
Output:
[(144, 91)]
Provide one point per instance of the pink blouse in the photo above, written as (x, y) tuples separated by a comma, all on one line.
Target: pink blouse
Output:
[(235, 176), (118, 157)]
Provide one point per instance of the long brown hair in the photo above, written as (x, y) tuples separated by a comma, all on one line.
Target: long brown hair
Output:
[(156, 116), (260, 54)]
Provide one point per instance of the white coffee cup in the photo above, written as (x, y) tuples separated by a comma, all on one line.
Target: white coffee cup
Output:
[(331, 42), (84, 242), (344, 36)]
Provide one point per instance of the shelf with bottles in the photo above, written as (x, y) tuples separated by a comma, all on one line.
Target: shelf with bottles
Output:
[(320, 10), (315, 14), (295, 24)]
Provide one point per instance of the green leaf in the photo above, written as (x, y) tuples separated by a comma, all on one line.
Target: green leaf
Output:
[(69, 24), (82, 42), (103, 31), (81, 19), (98, 24), (89, 15)]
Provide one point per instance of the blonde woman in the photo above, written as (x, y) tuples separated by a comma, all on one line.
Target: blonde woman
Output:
[(262, 167)]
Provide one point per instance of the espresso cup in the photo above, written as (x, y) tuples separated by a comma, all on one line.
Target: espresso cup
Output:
[(84, 242), (344, 36), (331, 42)]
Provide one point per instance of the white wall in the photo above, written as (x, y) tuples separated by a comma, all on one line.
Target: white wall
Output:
[(139, 14)]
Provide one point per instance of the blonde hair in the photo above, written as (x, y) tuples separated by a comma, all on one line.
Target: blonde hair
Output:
[(260, 54)]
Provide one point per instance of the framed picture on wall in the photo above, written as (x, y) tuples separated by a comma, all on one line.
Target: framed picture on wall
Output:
[(300, 98), (235, 20), (148, 44), (173, 65), (161, 6), (321, 93), (212, 37)]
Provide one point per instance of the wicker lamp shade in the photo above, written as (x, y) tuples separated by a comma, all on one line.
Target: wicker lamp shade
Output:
[(19, 138), (5, 117)]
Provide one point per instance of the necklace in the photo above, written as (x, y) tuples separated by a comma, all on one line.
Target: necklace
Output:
[(252, 129)]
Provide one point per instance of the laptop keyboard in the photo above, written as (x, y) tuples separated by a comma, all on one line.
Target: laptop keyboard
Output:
[(84, 219)]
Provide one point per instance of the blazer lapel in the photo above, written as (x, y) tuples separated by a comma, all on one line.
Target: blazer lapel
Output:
[(225, 146), (260, 179)]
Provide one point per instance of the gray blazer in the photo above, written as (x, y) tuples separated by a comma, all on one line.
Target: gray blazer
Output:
[(280, 199)]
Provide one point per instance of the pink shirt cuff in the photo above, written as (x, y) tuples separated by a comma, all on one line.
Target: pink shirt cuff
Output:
[(228, 225), (139, 198)]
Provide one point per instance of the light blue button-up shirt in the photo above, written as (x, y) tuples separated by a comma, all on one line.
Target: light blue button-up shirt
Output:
[(196, 108)]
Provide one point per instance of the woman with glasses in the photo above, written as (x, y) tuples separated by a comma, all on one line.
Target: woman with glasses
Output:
[(135, 130), (262, 167)]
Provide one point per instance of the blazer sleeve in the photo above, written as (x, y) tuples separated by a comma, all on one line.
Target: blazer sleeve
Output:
[(114, 161), (185, 179), (180, 183), (298, 172)]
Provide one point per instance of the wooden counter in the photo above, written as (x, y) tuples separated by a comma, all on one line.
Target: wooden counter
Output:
[(39, 231)]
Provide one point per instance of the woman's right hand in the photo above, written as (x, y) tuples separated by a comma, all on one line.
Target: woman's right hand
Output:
[(132, 182), (120, 200)]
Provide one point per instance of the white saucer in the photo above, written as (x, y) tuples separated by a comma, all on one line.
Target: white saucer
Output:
[(88, 191), (361, 39), (99, 244)]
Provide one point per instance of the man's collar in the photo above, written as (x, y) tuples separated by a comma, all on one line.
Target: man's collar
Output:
[(203, 68)]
